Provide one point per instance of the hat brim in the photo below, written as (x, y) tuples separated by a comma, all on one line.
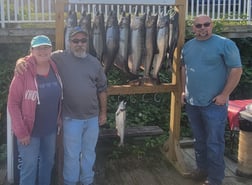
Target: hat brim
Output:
[(75, 32), (41, 44)]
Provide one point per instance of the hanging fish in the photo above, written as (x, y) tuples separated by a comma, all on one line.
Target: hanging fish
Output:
[(150, 45), (85, 24), (162, 45), (71, 22), (98, 35), (120, 118), (137, 45), (112, 41), (121, 60), (173, 37)]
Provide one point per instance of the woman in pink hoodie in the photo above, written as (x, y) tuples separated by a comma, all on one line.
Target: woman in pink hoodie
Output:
[(34, 104)]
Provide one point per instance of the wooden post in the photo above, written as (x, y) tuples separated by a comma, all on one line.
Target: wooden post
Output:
[(171, 147), (59, 24), (59, 39)]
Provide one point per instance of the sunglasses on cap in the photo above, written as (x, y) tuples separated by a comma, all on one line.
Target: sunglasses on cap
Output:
[(76, 41), (206, 24)]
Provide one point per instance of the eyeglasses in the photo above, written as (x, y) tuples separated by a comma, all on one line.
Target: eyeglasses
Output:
[(206, 24), (76, 41)]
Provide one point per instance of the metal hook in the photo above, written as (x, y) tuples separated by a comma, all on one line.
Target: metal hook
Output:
[(132, 100), (156, 99), (143, 99), (118, 98)]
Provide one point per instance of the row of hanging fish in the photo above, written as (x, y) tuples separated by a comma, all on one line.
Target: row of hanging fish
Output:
[(139, 45)]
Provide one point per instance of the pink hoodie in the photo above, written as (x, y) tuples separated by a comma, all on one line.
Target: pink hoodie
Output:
[(23, 98)]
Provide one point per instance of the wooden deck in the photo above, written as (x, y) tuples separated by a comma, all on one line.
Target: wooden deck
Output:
[(152, 169)]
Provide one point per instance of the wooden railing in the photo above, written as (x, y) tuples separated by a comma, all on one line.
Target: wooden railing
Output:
[(19, 12)]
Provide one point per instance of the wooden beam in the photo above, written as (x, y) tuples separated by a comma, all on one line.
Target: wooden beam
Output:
[(139, 131), (129, 89), (171, 148), (59, 24)]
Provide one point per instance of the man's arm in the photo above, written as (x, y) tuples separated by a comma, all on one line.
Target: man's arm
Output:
[(102, 96), (21, 66), (232, 82)]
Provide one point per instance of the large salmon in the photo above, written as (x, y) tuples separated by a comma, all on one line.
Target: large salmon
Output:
[(98, 35), (162, 45), (71, 22), (121, 60), (173, 36), (120, 118), (112, 41), (85, 24), (150, 45), (137, 42)]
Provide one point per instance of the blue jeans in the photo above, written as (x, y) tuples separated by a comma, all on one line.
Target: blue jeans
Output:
[(79, 139), (208, 126), (42, 148)]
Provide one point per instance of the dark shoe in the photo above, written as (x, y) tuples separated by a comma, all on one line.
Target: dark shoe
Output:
[(198, 175)]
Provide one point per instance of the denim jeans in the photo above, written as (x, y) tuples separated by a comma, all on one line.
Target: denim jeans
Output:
[(79, 139), (42, 148), (208, 126)]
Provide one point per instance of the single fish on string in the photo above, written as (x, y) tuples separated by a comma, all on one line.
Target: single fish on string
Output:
[(120, 118)]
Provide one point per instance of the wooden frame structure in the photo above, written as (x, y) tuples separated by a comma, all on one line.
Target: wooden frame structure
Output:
[(171, 148)]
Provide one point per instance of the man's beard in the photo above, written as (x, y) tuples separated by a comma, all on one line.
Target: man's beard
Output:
[(80, 53)]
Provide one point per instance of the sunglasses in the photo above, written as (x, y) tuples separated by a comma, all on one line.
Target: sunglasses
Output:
[(76, 41), (207, 24)]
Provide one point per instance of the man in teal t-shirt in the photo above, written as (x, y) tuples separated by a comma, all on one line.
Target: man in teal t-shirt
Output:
[(211, 69)]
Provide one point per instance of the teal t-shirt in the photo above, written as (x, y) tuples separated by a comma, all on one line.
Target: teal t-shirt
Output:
[(207, 65)]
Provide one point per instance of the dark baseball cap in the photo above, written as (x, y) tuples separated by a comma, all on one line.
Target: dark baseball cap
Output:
[(76, 30)]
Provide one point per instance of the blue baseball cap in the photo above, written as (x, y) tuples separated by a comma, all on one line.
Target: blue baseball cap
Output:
[(40, 40)]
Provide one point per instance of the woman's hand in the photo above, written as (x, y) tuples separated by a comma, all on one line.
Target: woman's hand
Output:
[(25, 141)]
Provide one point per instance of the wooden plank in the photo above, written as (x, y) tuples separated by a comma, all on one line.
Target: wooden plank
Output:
[(189, 157), (171, 147), (186, 143), (231, 166), (144, 89), (59, 24), (132, 132)]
